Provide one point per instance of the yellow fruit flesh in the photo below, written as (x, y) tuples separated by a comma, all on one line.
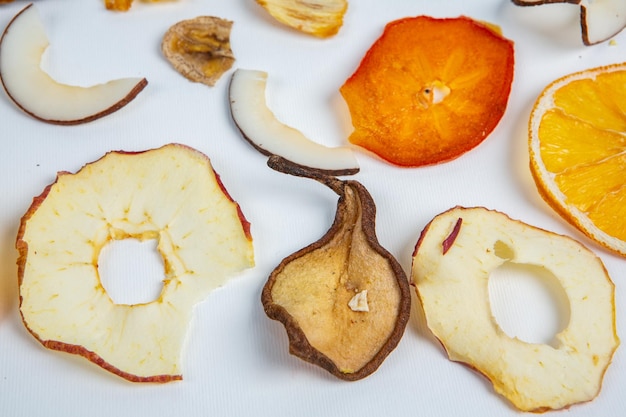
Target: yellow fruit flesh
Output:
[(583, 144)]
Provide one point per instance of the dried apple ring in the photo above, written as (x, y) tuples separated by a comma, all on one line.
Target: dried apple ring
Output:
[(170, 194), (451, 265)]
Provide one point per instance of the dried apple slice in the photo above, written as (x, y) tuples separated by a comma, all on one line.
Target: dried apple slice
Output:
[(344, 300), (599, 19), (170, 194), (452, 262), (21, 48), (269, 136), (322, 18)]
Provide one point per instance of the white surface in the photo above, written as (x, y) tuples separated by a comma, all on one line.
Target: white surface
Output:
[(236, 361)]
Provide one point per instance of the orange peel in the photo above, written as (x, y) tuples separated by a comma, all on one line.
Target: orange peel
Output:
[(578, 152)]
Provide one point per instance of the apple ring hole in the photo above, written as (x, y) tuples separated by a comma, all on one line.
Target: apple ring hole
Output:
[(131, 271), (528, 303)]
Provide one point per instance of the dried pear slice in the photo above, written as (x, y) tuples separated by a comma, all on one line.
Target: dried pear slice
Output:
[(344, 300), (199, 48)]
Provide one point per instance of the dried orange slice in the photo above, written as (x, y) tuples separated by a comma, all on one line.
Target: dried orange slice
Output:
[(429, 90), (577, 144)]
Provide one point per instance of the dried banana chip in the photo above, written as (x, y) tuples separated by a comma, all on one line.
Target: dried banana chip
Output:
[(199, 48)]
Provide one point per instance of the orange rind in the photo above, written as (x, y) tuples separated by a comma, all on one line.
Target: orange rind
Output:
[(578, 152)]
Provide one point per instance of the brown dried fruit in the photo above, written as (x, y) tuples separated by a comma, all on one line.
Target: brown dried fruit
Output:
[(118, 5), (199, 48), (344, 300), (124, 5)]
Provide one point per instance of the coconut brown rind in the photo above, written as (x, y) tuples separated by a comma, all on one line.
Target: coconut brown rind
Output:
[(257, 136), (302, 342), (583, 18), (302, 168), (112, 109), (127, 99)]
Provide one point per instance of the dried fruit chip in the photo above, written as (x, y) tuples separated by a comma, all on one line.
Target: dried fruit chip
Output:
[(22, 47), (200, 48), (124, 5), (170, 194), (321, 18), (118, 5), (344, 300), (599, 20), (268, 135), (452, 263), (578, 152), (429, 89)]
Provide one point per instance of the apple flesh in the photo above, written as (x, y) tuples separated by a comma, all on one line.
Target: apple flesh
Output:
[(599, 19), (170, 194), (268, 135), (22, 45), (452, 262)]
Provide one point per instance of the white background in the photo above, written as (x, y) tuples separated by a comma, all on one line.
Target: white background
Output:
[(236, 360)]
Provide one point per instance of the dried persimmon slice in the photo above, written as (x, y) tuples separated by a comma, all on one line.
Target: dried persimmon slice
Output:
[(429, 90)]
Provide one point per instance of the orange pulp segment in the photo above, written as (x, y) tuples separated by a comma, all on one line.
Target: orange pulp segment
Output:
[(577, 144), (429, 90)]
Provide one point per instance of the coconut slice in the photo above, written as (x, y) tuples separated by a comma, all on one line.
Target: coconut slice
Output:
[(269, 136), (22, 45), (171, 195), (600, 20), (452, 262)]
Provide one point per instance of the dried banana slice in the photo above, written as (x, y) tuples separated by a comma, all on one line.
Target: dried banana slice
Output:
[(199, 48)]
